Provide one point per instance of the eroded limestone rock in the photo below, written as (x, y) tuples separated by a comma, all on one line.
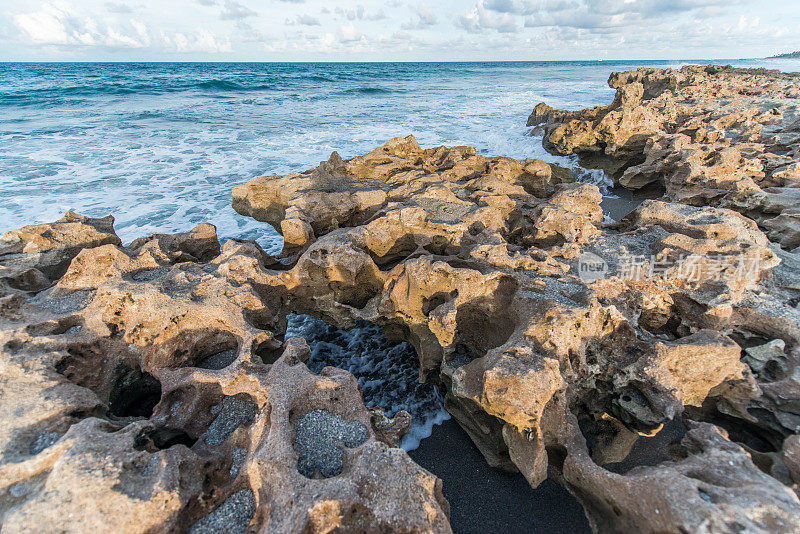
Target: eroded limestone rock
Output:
[(706, 134), (148, 390), (165, 363), (547, 373)]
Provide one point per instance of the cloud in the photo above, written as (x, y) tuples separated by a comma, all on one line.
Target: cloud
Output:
[(591, 14), (357, 13), (201, 40), (235, 11), (351, 14), (425, 19), (503, 16), (304, 20), (348, 33), (502, 6), (481, 19), (118, 7), (58, 24), (54, 24), (484, 29)]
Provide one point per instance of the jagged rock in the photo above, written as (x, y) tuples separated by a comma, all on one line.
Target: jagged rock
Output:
[(171, 352), (148, 390), (711, 486), (33, 257), (707, 135), (486, 292), (454, 183)]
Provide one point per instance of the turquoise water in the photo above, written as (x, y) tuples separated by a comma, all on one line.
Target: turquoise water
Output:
[(160, 145)]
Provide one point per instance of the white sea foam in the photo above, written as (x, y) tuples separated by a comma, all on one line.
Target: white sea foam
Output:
[(165, 159)]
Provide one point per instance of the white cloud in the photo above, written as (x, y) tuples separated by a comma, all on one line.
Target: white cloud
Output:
[(425, 19), (118, 7), (235, 11), (481, 19), (348, 33), (199, 41), (395, 29), (359, 12), (304, 20), (57, 24), (53, 24)]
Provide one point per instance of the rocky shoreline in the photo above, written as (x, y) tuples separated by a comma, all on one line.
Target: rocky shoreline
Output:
[(649, 366)]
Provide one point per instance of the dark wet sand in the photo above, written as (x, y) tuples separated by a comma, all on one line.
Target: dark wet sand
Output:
[(619, 205), (624, 201), (483, 500)]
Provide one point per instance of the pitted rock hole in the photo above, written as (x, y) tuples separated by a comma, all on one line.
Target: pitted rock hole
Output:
[(218, 361), (634, 409), (196, 348), (483, 329), (135, 394), (436, 300), (232, 413), (232, 516), (760, 435), (68, 304), (268, 350), (319, 436), (400, 251), (153, 440)]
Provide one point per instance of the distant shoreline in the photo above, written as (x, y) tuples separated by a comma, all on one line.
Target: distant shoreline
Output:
[(789, 55)]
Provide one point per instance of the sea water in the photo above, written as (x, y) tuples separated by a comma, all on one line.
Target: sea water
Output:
[(161, 145)]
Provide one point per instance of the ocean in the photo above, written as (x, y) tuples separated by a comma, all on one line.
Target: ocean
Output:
[(161, 145)]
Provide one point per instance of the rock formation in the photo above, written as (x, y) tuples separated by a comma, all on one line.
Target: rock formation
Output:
[(474, 261), (706, 135), (153, 383), (148, 390)]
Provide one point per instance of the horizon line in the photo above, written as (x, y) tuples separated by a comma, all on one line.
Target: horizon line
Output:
[(393, 61)]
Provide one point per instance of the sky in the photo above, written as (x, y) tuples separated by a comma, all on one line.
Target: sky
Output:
[(395, 30)]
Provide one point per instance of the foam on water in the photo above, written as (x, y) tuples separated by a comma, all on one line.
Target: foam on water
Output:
[(160, 146), (388, 373)]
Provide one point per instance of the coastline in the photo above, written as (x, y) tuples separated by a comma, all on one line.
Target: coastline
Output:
[(663, 401)]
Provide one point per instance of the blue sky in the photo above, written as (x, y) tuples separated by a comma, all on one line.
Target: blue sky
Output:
[(387, 30)]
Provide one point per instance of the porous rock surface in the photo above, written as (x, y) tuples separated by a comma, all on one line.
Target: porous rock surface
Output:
[(151, 383), (474, 261), (723, 136), (147, 389)]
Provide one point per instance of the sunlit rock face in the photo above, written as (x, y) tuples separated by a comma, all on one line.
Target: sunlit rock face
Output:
[(167, 362), (548, 372), (149, 389), (706, 135)]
